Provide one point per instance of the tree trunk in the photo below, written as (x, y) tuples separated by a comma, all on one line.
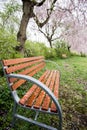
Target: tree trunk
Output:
[(50, 42), (27, 14)]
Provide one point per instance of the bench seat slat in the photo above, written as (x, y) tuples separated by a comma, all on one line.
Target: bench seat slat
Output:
[(21, 66), (27, 71), (47, 100), (20, 82), (53, 107), (36, 93), (20, 60), (31, 90), (41, 96)]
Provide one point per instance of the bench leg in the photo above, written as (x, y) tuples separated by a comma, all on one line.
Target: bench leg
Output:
[(60, 122), (14, 112), (37, 113)]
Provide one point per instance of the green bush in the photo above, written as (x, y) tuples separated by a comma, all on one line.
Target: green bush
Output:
[(61, 48), (37, 49), (50, 53), (8, 43), (33, 49), (82, 54)]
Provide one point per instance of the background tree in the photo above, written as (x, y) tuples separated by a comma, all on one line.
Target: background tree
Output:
[(76, 27), (63, 16), (10, 16), (52, 29), (28, 13)]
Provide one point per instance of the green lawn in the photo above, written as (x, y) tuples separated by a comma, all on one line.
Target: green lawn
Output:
[(73, 93), (72, 97)]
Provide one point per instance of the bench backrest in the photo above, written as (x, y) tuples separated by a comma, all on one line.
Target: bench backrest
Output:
[(26, 66)]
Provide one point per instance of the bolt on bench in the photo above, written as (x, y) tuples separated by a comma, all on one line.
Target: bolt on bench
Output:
[(42, 96)]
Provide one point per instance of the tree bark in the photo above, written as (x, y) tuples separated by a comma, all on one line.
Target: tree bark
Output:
[(27, 14), (50, 43)]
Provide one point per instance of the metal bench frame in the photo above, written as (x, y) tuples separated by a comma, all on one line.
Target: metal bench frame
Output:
[(43, 87)]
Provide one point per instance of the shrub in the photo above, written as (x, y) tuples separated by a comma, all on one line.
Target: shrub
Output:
[(82, 54), (37, 49), (8, 43), (34, 49), (50, 53), (61, 48)]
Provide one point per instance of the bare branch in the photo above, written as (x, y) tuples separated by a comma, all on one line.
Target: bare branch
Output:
[(41, 3), (39, 23), (49, 11), (57, 38), (42, 32)]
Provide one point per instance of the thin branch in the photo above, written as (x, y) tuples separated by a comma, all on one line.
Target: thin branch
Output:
[(39, 23), (40, 3), (42, 32), (57, 38), (49, 11)]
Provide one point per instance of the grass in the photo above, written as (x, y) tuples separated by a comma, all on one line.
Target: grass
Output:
[(73, 93), (72, 97)]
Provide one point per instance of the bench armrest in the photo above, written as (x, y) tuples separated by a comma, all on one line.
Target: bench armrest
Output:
[(41, 85)]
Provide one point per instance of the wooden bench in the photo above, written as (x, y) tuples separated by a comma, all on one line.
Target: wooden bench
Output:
[(42, 96)]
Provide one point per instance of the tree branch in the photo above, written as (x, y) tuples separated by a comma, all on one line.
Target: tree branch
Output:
[(40, 3), (42, 32), (57, 38), (49, 11), (39, 23)]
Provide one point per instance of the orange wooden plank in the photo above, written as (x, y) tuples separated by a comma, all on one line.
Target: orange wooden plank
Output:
[(41, 96), (21, 66), (33, 97), (21, 81), (31, 90), (36, 93), (56, 88), (27, 71), (27, 95), (47, 100), (33, 68), (20, 60)]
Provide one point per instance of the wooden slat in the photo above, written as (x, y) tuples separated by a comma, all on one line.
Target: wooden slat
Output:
[(31, 90), (20, 60), (27, 71), (36, 93), (21, 66), (47, 100), (41, 96), (20, 82), (56, 88)]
